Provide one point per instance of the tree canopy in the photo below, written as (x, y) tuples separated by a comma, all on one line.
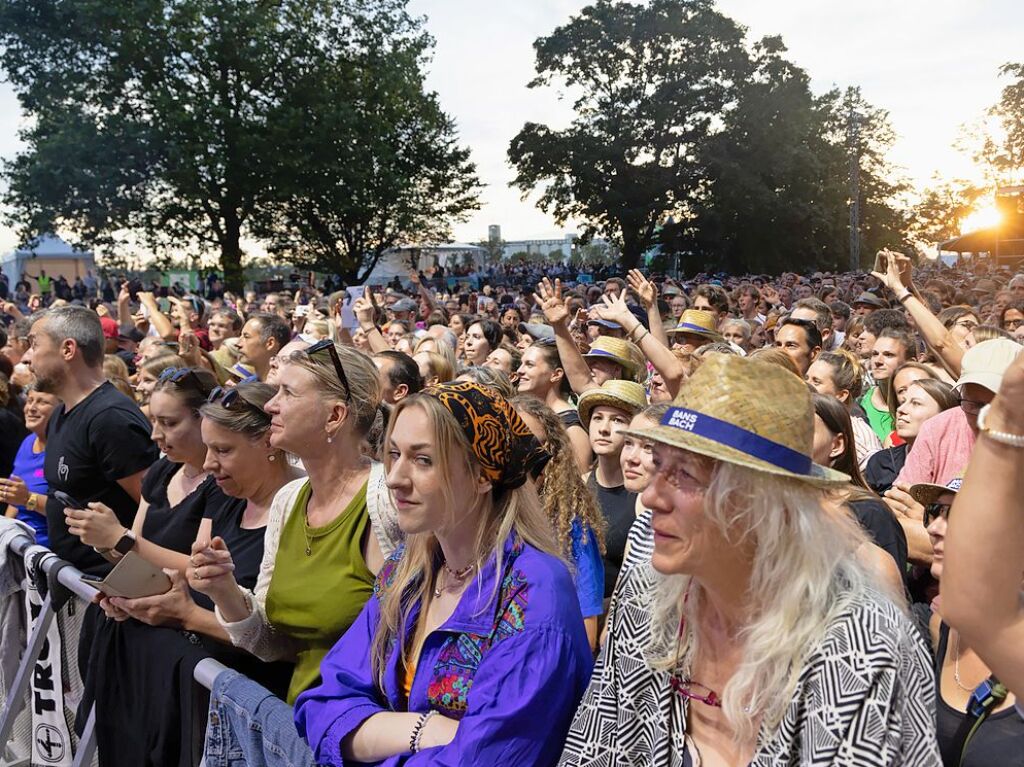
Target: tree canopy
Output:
[(689, 140), (190, 125)]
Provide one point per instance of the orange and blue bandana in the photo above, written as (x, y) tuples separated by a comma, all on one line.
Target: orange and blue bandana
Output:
[(501, 441)]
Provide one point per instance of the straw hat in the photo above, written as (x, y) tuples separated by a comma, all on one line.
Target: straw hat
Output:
[(624, 395), (625, 353), (698, 323), (747, 412)]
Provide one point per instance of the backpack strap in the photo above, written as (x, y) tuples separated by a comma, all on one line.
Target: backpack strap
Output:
[(984, 700)]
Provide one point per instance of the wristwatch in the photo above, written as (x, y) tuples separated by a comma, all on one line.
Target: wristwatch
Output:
[(1002, 437), (32, 504), (123, 546)]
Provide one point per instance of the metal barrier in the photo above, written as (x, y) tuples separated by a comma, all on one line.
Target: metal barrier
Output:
[(64, 582)]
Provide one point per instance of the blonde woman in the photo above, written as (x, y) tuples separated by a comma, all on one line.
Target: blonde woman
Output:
[(756, 636), (472, 649), (327, 535)]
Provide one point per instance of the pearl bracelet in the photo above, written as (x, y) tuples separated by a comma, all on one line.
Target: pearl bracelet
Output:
[(1002, 437)]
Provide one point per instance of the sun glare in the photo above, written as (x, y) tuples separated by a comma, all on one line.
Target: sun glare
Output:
[(983, 218)]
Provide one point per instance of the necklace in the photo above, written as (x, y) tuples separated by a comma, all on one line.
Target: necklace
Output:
[(956, 666), (306, 525), (190, 477), (458, 575)]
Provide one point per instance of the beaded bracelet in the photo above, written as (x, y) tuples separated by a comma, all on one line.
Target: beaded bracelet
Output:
[(417, 731)]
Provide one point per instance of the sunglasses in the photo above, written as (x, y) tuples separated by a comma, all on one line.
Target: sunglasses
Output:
[(935, 510), (227, 398), (183, 376), (327, 345), (695, 691)]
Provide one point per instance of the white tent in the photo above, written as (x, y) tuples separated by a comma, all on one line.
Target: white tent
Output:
[(397, 261), (48, 253)]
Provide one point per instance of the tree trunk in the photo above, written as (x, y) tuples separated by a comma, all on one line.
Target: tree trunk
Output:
[(231, 255)]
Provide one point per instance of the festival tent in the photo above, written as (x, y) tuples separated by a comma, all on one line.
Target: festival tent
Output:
[(397, 261), (51, 254)]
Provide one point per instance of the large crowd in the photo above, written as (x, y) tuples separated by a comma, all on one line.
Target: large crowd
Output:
[(527, 515)]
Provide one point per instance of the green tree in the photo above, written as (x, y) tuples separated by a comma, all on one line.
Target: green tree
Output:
[(770, 201), (1001, 152), (191, 124), (649, 81)]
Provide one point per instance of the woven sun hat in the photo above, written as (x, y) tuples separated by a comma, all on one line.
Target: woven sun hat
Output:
[(698, 323), (925, 492), (625, 353), (747, 412), (628, 396)]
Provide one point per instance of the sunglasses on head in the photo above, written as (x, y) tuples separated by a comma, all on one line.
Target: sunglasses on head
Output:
[(227, 398), (327, 345), (183, 375), (935, 510)]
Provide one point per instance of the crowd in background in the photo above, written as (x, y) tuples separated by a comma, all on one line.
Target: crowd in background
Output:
[(536, 515)]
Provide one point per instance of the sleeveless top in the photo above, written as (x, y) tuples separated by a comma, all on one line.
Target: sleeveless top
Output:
[(999, 740), (320, 584), (618, 507)]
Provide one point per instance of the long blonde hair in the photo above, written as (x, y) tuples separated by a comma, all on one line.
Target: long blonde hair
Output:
[(805, 574), (503, 513)]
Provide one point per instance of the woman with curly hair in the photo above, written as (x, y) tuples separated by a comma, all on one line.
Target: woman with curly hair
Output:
[(572, 509)]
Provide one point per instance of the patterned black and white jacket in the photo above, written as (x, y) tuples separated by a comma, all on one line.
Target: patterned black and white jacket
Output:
[(865, 697)]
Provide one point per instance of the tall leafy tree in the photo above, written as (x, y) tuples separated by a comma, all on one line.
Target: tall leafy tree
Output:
[(770, 200), (648, 82), (940, 213), (171, 120)]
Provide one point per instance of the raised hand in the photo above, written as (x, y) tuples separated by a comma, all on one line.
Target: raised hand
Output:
[(613, 309), (643, 287), (897, 275), (549, 299), (362, 307)]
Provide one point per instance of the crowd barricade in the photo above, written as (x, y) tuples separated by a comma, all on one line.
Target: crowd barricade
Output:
[(32, 729)]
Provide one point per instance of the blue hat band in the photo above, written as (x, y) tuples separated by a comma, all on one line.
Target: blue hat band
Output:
[(738, 438), (691, 328), (602, 353)]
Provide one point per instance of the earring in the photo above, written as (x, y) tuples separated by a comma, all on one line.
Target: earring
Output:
[(271, 458), (329, 439)]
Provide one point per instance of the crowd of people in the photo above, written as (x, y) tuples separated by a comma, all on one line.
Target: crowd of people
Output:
[(535, 519)]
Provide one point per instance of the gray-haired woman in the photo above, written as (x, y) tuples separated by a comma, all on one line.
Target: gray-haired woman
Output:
[(757, 636)]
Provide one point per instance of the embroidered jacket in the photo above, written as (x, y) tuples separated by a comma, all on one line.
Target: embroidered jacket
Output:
[(510, 667), (865, 696)]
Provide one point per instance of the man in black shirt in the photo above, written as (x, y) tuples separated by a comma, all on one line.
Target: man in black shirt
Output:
[(98, 444)]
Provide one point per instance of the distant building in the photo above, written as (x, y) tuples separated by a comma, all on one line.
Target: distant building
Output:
[(546, 248), (494, 233)]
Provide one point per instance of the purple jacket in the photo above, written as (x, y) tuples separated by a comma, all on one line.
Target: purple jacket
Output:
[(512, 668)]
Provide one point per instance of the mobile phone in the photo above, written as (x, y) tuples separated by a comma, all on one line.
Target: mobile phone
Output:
[(134, 286), (881, 262), (67, 501)]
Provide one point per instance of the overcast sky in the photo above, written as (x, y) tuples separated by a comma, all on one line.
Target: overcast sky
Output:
[(932, 64)]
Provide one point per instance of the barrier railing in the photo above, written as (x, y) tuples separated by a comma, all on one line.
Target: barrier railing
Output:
[(64, 582)]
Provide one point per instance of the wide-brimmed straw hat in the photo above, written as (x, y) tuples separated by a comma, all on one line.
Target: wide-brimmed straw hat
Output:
[(625, 353), (698, 323), (628, 396), (747, 412)]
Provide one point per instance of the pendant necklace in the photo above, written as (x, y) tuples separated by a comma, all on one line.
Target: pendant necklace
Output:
[(458, 575)]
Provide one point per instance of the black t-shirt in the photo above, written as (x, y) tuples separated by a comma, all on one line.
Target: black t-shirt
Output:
[(175, 527), (102, 439), (884, 467), (880, 523), (618, 506)]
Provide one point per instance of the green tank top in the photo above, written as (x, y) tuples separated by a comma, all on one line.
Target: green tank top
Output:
[(320, 583), (881, 421)]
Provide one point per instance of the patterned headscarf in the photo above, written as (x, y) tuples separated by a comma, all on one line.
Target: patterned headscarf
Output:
[(501, 441)]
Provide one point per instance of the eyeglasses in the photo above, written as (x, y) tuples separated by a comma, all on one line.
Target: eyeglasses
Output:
[(935, 510), (327, 345), (227, 398), (183, 375), (1012, 324), (970, 407), (695, 691)]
